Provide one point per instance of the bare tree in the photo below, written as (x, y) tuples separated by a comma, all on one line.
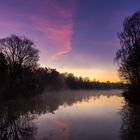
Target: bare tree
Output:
[(128, 57), (19, 52)]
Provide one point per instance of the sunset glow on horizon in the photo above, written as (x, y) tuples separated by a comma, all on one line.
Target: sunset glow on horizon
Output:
[(74, 36)]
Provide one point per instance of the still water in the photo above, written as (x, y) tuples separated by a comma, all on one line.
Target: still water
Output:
[(70, 115)]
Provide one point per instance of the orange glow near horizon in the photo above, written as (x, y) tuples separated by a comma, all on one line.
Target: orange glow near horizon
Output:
[(97, 74)]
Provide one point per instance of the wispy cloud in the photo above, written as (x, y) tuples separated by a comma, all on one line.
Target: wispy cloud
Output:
[(57, 28)]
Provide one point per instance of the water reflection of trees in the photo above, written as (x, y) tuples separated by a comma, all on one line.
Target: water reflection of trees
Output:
[(15, 121), (16, 116), (130, 129)]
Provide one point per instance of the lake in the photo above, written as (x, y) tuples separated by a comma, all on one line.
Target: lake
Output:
[(70, 115)]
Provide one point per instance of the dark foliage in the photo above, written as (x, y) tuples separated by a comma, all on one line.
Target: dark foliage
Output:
[(128, 57), (49, 79), (18, 60)]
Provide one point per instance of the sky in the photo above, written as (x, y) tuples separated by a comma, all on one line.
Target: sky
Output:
[(74, 36)]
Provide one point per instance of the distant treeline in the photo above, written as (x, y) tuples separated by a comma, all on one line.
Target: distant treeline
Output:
[(50, 79)]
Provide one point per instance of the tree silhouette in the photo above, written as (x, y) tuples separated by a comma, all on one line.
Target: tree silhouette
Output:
[(19, 53), (128, 57)]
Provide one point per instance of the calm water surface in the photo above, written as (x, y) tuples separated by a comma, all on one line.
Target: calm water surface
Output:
[(69, 115)]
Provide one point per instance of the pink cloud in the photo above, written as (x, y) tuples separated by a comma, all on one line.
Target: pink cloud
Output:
[(62, 36), (57, 28)]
